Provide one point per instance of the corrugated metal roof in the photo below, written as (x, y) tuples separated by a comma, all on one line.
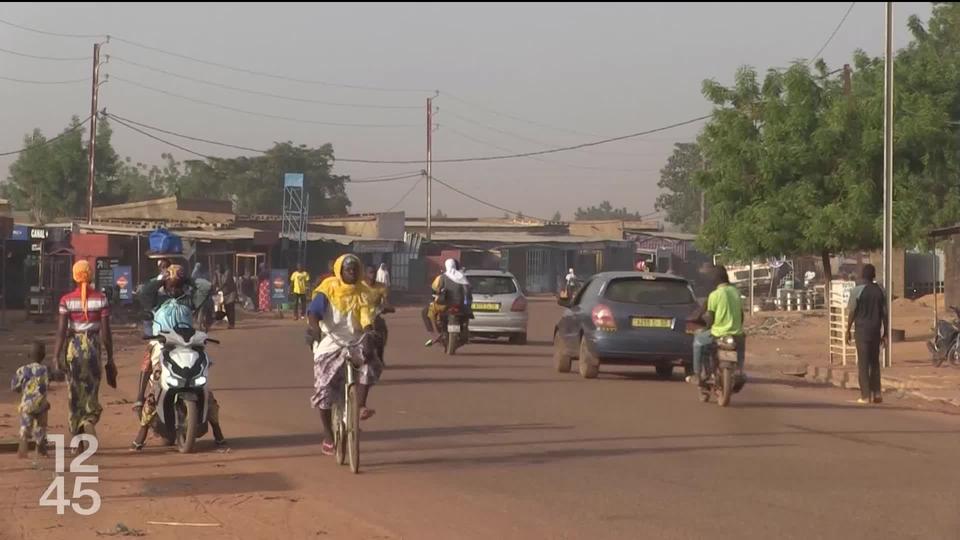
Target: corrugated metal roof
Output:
[(507, 237), (239, 233)]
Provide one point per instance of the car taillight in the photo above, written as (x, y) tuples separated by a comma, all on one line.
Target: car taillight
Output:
[(520, 304), (603, 318)]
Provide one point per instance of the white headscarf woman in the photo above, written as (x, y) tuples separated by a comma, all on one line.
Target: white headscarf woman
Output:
[(453, 272), (383, 276)]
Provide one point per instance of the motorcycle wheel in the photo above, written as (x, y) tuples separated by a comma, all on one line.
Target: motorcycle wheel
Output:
[(452, 342), (954, 355), (725, 387), (353, 429), (187, 432), (339, 441)]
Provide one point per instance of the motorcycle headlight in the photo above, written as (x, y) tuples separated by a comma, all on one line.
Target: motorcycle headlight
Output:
[(200, 381), (172, 381)]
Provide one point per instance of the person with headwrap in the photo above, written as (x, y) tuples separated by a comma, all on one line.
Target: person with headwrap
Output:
[(342, 313), (449, 288), (175, 299), (83, 330)]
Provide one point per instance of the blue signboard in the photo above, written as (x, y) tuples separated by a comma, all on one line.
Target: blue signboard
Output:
[(278, 286), (20, 232), (124, 282)]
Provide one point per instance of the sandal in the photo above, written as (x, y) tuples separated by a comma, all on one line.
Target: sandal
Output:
[(136, 447), (327, 448), (366, 414)]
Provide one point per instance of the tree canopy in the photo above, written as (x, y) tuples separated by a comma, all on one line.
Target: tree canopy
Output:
[(604, 210)]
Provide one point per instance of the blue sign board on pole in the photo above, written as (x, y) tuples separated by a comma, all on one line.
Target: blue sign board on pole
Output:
[(278, 286), (124, 283), (293, 180), (20, 232)]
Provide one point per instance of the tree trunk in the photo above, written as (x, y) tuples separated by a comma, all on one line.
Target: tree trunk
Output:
[(827, 270)]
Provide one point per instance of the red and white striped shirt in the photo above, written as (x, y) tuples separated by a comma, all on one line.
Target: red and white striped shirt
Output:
[(98, 308)]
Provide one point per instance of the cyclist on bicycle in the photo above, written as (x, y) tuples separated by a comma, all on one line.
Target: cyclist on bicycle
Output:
[(342, 313)]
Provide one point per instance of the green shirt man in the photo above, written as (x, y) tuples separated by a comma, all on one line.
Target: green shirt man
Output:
[(727, 308)]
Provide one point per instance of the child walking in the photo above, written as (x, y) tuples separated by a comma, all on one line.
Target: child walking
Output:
[(31, 382)]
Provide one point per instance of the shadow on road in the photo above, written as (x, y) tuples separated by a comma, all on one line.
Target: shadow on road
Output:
[(451, 365), (468, 380), (549, 456), (211, 484), (811, 405), (267, 388), (457, 431)]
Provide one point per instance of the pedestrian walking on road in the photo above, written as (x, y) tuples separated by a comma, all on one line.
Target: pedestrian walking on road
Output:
[(84, 329), (263, 288), (227, 285), (867, 315), (31, 381)]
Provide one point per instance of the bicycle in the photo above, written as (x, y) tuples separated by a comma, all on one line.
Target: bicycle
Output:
[(346, 410)]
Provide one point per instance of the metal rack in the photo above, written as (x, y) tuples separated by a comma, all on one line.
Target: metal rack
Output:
[(841, 352)]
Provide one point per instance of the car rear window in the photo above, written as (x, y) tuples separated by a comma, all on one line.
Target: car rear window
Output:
[(492, 284), (642, 291)]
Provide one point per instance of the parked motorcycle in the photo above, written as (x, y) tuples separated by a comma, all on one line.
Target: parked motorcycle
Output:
[(945, 345), (180, 389)]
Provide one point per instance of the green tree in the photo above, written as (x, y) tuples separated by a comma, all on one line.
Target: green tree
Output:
[(681, 197), (439, 214), (605, 211), (48, 179), (557, 217)]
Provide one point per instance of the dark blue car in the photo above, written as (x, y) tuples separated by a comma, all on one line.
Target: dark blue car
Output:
[(627, 318)]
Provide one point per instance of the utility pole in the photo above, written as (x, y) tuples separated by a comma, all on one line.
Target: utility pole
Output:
[(429, 167), (703, 196), (847, 85), (93, 130), (888, 180)]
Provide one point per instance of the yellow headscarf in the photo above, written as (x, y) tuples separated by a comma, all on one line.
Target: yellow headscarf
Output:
[(345, 298), (82, 275)]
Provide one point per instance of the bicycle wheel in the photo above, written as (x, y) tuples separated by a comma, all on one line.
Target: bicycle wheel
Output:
[(339, 444), (353, 428)]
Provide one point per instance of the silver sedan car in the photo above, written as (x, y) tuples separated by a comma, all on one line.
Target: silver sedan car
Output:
[(499, 307)]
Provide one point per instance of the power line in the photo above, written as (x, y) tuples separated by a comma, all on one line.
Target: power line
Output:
[(52, 58), (386, 179), (46, 33), (541, 160), (832, 35), (454, 160), (517, 118), (164, 141), (256, 113), (539, 152), (188, 137), (406, 194), (31, 81), (264, 73), (261, 93), (483, 202), (79, 125)]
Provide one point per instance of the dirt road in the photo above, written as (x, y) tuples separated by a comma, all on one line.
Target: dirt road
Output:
[(494, 444)]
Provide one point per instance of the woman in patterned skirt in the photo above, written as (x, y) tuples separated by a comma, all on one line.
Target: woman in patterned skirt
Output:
[(84, 328)]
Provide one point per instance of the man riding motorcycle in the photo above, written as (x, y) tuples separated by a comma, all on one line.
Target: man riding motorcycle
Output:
[(450, 288), (174, 299), (379, 300), (723, 316)]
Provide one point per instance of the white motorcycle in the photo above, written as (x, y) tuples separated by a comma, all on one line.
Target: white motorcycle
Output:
[(180, 390)]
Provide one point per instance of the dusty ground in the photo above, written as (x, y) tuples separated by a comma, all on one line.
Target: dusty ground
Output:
[(493, 443)]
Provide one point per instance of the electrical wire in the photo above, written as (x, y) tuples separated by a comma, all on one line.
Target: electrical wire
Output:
[(517, 118), (483, 202), (454, 160), (46, 33), (48, 141), (541, 160), (261, 93), (188, 137), (538, 152), (264, 73), (386, 179), (832, 35), (164, 141), (256, 113), (49, 83), (405, 195), (52, 58)]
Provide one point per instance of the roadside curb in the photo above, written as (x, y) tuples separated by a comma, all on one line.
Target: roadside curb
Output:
[(847, 379)]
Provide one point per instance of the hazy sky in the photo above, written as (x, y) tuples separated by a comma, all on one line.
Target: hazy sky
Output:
[(589, 70)]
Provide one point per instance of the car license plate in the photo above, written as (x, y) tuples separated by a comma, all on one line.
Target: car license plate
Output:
[(727, 356), (486, 307), (643, 322)]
